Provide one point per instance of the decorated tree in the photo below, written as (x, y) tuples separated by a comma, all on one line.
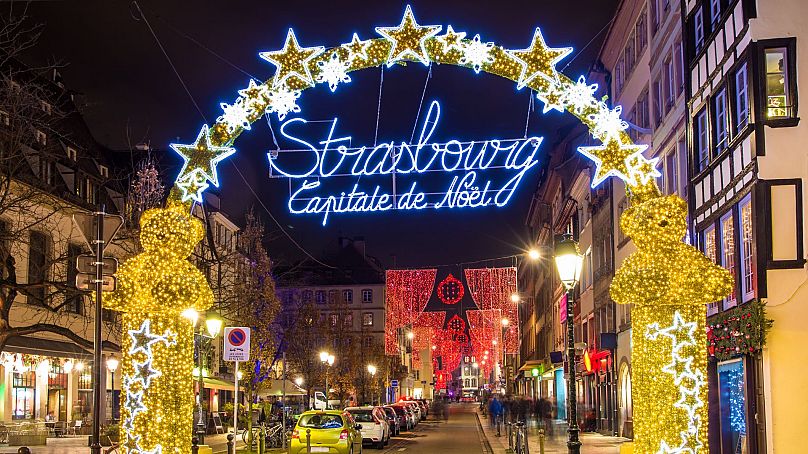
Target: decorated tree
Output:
[(304, 338)]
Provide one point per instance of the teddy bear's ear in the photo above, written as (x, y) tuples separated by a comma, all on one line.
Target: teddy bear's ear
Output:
[(147, 216)]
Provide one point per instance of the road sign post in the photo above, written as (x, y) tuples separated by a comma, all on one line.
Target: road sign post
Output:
[(98, 230), (236, 348)]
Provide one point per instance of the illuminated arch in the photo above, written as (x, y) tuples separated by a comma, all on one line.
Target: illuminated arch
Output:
[(299, 68)]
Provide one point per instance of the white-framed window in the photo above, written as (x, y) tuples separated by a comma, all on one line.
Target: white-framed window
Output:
[(720, 126), (679, 66), (698, 29), (748, 274), (715, 11), (347, 320), (741, 98), (702, 139), (708, 243), (367, 295), (670, 83), (334, 319), (659, 110), (332, 296), (319, 296), (367, 319), (728, 253), (586, 280), (347, 295), (41, 137), (71, 153), (104, 171)]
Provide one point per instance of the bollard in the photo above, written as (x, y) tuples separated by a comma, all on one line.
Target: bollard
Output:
[(541, 441), (24, 450), (194, 445), (308, 441), (262, 437), (231, 445)]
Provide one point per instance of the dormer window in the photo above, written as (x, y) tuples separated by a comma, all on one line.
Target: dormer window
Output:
[(41, 137), (104, 171), (71, 153)]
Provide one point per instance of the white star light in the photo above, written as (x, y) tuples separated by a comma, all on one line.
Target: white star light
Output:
[(143, 339), (580, 95), (134, 403), (357, 49), (643, 169), (477, 53), (282, 101), (334, 71), (607, 122), (689, 382), (145, 373), (553, 99), (235, 116), (408, 25), (298, 67), (255, 95), (455, 37)]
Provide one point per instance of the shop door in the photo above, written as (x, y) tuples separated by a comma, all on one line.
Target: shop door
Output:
[(732, 404)]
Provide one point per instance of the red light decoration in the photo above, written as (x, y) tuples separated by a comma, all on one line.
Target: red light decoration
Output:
[(408, 292), (450, 290), (456, 324), (491, 289)]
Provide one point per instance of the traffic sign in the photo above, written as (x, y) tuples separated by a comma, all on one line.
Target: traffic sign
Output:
[(86, 281), (87, 224), (236, 344), (394, 383), (86, 264)]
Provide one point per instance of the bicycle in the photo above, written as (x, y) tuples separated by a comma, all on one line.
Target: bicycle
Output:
[(250, 437), (274, 436), (520, 446)]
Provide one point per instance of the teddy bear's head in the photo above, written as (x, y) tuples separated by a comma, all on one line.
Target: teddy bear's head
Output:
[(170, 231), (658, 221)]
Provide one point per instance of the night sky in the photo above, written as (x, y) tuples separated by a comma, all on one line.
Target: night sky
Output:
[(130, 94)]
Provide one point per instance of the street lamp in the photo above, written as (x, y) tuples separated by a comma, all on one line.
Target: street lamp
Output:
[(515, 298), (327, 360), (569, 263), (299, 381), (372, 372), (213, 324), (503, 370), (533, 254), (112, 366)]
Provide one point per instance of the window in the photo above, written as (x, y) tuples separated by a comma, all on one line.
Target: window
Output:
[(671, 173), (104, 171), (778, 102), (24, 395), (46, 171), (702, 140), (38, 253), (334, 319), (332, 296), (307, 295), (347, 320), (618, 76), (89, 191), (670, 83), (367, 295), (748, 275), (347, 295), (621, 207), (720, 117), (741, 98), (71, 153), (367, 319), (728, 253), (658, 103), (73, 300), (710, 252), (367, 342), (698, 28), (715, 12), (586, 280), (46, 107), (642, 116), (641, 30), (678, 58), (320, 297), (41, 137)]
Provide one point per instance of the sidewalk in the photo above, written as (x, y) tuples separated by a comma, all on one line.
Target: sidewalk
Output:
[(78, 445), (592, 443)]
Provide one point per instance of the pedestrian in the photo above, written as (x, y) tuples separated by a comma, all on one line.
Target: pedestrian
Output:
[(545, 413), (495, 409)]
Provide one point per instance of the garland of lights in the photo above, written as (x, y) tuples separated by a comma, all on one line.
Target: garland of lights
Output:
[(450, 290), (154, 288), (737, 331), (737, 401)]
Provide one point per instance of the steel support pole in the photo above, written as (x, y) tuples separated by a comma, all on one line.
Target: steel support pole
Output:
[(95, 447), (573, 443)]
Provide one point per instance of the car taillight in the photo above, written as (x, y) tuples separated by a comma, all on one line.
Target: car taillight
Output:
[(296, 435), (343, 435)]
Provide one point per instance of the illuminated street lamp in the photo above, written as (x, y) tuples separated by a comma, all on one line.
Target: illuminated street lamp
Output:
[(515, 298), (112, 366), (213, 325), (299, 381), (372, 372), (328, 360), (569, 262), (533, 254)]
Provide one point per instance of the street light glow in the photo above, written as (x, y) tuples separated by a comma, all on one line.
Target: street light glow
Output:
[(112, 364), (533, 254), (372, 369), (214, 323), (299, 381), (191, 314), (515, 298), (505, 322), (410, 335), (330, 360), (324, 356)]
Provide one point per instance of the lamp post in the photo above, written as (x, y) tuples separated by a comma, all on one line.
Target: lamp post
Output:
[(372, 372), (327, 360), (213, 323), (112, 366), (504, 371), (569, 261)]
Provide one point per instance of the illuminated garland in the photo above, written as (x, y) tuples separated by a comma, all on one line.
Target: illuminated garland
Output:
[(737, 401), (737, 331)]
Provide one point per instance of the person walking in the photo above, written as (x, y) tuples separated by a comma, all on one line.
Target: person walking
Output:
[(495, 409)]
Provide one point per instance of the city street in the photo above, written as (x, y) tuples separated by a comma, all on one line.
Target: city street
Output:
[(460, 435)]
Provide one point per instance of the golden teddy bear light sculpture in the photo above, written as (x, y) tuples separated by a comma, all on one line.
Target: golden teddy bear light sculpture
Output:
[(154, 288), (669, 283)]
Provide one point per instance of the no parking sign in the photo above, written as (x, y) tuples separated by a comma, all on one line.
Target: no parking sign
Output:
[(236, 344)]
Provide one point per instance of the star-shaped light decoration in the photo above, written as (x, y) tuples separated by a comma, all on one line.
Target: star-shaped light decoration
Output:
[(255, 96), (607, 123), (689, 401), (235, 115), (134, 404), (357, 49), (451, 40), (477, 53), (553, 98), (679, 367), (538, 60), (580, 95), (131, 444), (143, 339), (292, 60), (679, 329), (643, 170), (612, 159), (408, 39), (192, 187), (283, 100), (144, 373), (334, 71), (201, 156)]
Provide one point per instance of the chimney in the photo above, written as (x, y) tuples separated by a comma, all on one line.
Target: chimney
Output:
[(359, 244)]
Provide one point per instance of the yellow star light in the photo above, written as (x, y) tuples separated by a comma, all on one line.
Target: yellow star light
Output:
[(552, 99), (193, 187), (612, 159), (408, 39), (643, 170), (538, 60), (451, 39), (292, 60), (357, 49), (255, 95), (201, 156)]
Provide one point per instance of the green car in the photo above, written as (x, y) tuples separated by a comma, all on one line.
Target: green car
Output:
[(328, 431)]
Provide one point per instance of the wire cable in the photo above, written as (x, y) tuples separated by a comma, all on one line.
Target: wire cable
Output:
[(421, 104)]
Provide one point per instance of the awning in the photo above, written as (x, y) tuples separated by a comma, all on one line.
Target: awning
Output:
[(531, 363), (215, 383), (275, 388), (46, 347)]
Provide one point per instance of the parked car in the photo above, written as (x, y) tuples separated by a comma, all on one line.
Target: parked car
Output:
[(393, 420), (331, 431), (375, 429), (407, 418), (415, 409), (424, 406)]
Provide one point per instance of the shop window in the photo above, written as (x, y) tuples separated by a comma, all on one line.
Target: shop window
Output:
[(721, 136), (732, 404), (702, 137), (741, 98), (728, 253), (780, 83), (748, 275), (23, 395)]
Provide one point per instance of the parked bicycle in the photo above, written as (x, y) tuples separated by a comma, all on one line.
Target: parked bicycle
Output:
[(517, 437)]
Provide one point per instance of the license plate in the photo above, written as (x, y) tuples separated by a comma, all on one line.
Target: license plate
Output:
[(319, 449)]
